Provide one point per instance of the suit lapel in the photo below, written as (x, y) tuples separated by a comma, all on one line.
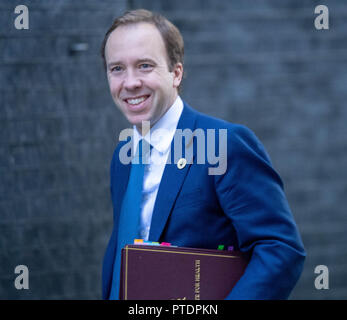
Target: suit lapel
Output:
[(172, 180), (121, 186), (121, 178)]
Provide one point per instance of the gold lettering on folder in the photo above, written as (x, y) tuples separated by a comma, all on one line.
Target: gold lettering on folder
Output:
[(197, 280)]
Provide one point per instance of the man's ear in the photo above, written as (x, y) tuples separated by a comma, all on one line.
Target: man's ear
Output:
[(178, 74)]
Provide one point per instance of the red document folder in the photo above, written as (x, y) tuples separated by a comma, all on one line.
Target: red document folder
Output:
[(177, 273)]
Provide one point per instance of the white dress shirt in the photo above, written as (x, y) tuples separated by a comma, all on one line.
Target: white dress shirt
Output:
[(160, 137)]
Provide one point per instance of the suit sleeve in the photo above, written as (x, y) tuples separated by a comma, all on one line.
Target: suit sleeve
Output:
[(251, 194)]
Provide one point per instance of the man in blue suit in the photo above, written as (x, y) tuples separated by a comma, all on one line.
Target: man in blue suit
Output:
[(193, 199)]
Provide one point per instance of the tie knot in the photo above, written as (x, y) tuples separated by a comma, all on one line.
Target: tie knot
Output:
[(142, 155)]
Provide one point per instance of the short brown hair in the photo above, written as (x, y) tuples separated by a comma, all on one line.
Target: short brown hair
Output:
[(172, 37)]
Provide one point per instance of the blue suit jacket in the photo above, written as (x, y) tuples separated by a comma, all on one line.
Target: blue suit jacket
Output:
[(245, 207)]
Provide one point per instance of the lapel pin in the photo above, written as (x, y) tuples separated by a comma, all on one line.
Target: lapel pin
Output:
[(181, 163)]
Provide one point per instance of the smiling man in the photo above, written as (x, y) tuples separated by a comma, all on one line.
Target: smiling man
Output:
[(183, 203), (142, 84)]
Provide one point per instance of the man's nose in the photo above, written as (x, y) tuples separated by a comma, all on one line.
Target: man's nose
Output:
[(132, 81)]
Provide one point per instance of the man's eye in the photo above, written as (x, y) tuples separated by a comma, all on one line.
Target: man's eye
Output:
[(145, 66), (116, 68)]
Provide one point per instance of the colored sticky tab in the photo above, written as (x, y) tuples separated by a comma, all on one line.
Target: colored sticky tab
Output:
[(221, 247), (230, 248), (165, 244), (138, 241), (153, 243)]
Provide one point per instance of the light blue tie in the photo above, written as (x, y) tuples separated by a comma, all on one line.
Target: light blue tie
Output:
[(128, 227)]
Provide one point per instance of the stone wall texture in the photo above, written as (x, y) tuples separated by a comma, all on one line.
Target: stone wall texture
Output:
[(259, 63)]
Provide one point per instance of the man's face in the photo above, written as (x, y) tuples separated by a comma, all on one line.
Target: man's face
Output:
[(140, 82)]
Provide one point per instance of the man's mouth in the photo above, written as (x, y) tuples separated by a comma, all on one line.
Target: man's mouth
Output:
[(136, 101)]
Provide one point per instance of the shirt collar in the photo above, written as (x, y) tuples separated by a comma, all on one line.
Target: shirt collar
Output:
[(162, 133)]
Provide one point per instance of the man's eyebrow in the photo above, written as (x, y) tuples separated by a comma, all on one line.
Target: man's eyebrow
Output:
[(146, 60), (111, 63)]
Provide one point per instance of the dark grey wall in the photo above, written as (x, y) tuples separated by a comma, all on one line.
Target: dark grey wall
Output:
[(58, 128), (259, 63)]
